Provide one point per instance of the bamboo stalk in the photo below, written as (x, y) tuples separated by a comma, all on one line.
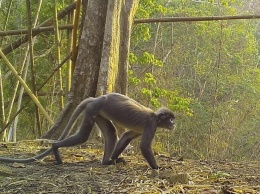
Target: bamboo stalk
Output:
[(194, 19), (2, 109), (69, 62), (57, 43), (35, 30), (33, 80), (74, 36), (27, 89)]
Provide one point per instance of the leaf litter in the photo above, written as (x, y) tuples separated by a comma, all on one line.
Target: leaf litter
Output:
[(83, 173)]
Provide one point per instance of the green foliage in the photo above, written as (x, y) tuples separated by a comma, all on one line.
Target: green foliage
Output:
[(180, 104), (209, 71), (146, 59), (142, 33), (149, 79), (149, 88), (146, 9), (132, 79), (144, 79)]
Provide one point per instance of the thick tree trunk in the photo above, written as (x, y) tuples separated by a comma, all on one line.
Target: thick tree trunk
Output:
[(114, 61), (102, 60)]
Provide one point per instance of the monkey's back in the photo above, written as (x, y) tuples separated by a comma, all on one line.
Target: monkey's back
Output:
[(125, 111)]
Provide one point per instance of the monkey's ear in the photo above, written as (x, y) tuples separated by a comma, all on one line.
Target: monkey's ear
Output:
[(162, 116)]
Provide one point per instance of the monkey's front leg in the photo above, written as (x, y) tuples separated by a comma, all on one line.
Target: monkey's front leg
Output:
[(126, 138), (145, 146)]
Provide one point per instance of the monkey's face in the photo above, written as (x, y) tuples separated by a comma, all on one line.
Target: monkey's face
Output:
[(167, 122), (165, 119)]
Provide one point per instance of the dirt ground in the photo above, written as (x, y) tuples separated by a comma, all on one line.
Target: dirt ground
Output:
[(83, 173)]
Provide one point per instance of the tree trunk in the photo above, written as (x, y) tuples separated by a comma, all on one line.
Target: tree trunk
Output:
[(100, 68), (114, 61)]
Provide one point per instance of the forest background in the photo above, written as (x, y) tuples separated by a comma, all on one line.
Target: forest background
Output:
[(206, 72)]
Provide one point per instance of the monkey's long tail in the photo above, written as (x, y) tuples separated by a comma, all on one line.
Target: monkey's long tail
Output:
[(27, 160)]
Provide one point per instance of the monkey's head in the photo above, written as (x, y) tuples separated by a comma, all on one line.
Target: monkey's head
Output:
[(165, 118)]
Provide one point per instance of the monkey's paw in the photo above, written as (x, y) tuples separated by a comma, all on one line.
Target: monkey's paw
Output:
[(58, 162), (120, 160), (114, 161)]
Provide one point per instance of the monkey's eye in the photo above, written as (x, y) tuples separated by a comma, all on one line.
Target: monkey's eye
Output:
[(171, 120)]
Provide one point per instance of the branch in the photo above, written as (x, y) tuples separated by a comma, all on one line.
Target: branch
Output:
[(34, 30), (194, 19)]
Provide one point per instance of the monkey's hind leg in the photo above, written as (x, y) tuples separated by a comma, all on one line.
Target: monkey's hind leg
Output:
[(80, 137), (110, 137)]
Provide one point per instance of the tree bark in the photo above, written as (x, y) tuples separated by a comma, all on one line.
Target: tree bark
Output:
[(114, 62), (102, 60)]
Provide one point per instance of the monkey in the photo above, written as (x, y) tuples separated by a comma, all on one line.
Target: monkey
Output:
[(104, 111)]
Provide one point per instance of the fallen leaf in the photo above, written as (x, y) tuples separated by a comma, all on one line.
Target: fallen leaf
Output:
[(18, 165)]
